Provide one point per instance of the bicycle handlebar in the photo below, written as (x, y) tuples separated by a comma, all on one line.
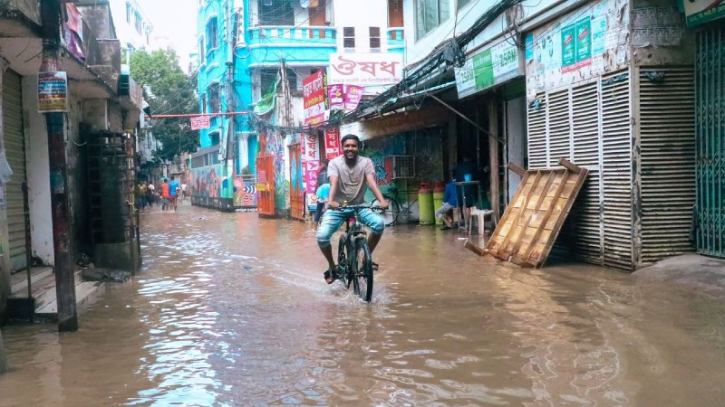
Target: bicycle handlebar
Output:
[(356, 207)]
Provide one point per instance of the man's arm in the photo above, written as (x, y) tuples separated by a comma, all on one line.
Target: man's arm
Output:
[(333, 191), (373, 185)]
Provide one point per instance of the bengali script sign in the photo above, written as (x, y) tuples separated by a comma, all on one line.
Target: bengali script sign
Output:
[(333, 148), (200, 122), (314, 92), (310, 161), (52, 92), (345, 97), (365, 69)]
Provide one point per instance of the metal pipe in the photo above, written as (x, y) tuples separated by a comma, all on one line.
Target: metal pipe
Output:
[(464, 117)]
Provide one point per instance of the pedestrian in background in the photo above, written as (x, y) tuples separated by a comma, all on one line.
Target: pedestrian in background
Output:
[(322, 179), (174, 190), (449, 203), (151, 194), (165, 194)]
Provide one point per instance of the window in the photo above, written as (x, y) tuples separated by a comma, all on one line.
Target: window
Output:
[(276, 12), (267, 78), (139, 23), (214, 141), (395, 13), (129, 12), (202, 51), (215, 102), (375, 39), (462, 3), (203, 103), (348, 37), (429, 14), (211, 34)]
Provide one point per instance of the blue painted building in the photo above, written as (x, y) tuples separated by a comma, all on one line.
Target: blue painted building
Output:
[(241, 44)]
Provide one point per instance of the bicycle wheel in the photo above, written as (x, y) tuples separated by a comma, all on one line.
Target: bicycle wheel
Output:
[(363, 268), (390, 215), (343, 260)]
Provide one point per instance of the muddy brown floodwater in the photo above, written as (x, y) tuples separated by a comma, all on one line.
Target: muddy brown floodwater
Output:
[(232, 310)]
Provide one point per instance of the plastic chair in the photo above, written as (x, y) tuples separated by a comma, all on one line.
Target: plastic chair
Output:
[(480, 216)]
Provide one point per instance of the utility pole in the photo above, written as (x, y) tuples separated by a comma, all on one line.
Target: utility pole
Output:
[(50, 14)]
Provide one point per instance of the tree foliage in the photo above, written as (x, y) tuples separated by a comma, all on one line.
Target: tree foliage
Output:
[(168, 90)]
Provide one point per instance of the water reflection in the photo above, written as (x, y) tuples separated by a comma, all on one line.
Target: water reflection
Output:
[(232, 310)]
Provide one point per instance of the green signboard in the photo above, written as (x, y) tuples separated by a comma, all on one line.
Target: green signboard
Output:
[(576, 45), (483, 69), (699, 12)]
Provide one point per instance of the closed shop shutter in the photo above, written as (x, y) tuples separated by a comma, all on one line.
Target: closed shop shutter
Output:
[(589, 124), (667, 141), (710, 128), (536, 116), (616, 170), (15, 150), (586, 130)]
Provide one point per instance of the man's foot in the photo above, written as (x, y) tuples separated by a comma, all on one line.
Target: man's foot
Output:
[(330, 276)]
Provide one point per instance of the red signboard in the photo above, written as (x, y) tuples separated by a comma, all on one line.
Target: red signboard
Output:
[(332, 143), (200, 122), (314, 92)]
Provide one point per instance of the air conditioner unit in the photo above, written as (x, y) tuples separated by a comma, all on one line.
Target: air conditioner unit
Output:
[(401, 166)]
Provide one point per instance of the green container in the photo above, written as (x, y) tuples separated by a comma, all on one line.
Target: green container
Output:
[(425, 204)]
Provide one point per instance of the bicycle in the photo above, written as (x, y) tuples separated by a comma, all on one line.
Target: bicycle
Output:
[(354, 261), (395, 209)]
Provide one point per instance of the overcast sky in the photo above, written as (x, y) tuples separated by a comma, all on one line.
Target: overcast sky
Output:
[(176, 20)]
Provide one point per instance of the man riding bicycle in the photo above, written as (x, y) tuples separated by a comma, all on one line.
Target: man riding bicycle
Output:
[(350, 175)]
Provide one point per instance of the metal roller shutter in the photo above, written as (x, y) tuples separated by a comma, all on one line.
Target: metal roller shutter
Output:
[(667, 141), (617, 170), (559, 127), (537, 133), (15, 150), (586, 131)]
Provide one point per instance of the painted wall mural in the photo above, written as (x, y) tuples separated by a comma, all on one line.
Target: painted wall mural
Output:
[(208, 182), (245, 191), (275, 146)]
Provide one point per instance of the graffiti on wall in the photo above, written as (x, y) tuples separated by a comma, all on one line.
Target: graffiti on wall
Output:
[(245, 192), (275, 147), (380, 149), (208, 182)]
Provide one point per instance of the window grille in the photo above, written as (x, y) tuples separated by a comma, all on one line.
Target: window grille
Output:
[(348, 37), (375, 39)]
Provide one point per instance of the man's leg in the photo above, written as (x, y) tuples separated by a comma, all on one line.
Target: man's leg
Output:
[(376, 223), (331, 221)]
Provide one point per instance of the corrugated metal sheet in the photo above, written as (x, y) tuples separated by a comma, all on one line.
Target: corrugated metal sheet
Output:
[(15, 150), (667, 148), (586, 132), (617, 170), (537, 133), (559, 127)]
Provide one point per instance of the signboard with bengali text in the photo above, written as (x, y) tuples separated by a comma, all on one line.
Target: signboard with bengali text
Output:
[(314, 92), (52, 92), (366, 69)]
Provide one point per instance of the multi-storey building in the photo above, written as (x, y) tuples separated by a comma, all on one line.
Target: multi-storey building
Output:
[(243, 45), (133, 27)]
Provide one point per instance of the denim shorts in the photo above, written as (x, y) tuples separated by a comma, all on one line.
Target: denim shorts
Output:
[(333, 219)]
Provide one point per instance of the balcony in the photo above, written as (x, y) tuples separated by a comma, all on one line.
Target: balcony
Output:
[(396, 39), (306, 44)]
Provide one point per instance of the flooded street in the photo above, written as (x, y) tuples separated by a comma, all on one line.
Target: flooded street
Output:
[(232, 310)]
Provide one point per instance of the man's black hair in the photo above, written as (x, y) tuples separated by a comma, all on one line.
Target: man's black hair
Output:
[(351, 137), (172, 177)]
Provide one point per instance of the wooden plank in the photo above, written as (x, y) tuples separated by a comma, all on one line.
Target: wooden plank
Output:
[(547, 215), (493, 147), (501, 252), (509, 210), (562, 217), (550, 179)]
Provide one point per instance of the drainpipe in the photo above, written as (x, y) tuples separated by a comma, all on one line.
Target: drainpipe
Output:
[(50, 14)]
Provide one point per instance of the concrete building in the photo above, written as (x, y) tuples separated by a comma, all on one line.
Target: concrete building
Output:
[(133, 27), (103, 109), (249, 40)]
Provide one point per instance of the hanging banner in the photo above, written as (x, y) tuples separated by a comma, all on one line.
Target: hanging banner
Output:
[(333, 149), (353, 95), (314, 91), (336, 95), (200, 122), (310, 162), (52, 92), (366, 69)]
